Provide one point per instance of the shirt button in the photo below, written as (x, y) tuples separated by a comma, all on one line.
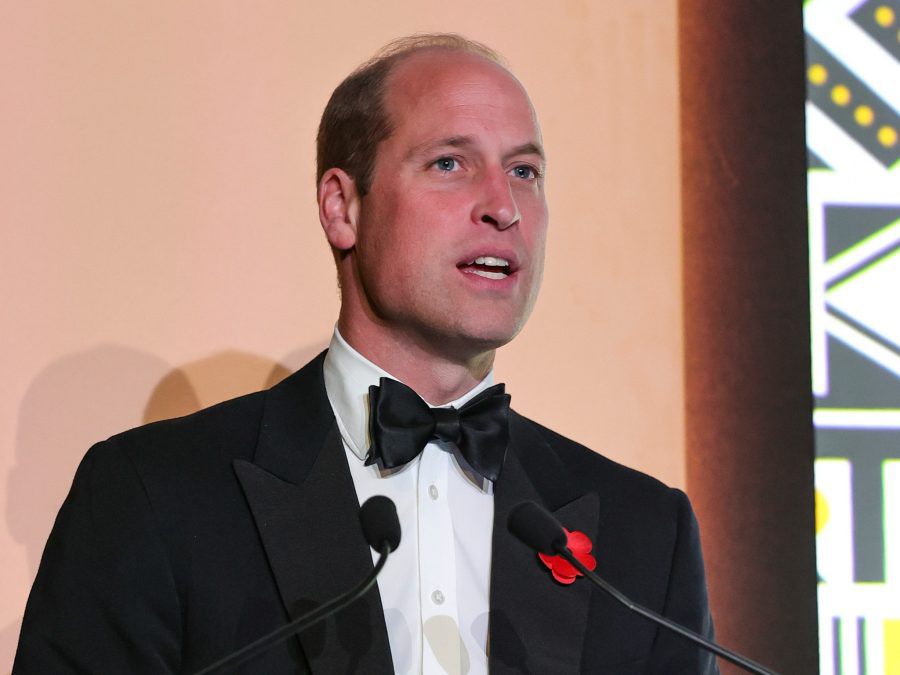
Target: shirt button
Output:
[(433, 491), (438, 598)]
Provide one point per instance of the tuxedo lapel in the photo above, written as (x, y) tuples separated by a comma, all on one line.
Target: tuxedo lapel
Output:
[(537, 624), (304, 504)]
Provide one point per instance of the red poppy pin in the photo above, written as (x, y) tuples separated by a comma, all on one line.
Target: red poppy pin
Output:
[(563, 571)]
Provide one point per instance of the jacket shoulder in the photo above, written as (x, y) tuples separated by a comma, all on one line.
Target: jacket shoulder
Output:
[(589, 464), (634, 495), (225, 427)]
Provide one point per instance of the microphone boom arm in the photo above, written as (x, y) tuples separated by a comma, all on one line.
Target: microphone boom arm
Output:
[(301, 622), (726, 654)]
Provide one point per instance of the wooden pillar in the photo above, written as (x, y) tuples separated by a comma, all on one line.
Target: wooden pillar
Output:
[(746, 301)]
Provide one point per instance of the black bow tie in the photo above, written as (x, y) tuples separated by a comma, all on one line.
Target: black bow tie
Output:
[(401, 424)]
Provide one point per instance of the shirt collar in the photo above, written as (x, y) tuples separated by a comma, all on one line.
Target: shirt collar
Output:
[(348, 375)]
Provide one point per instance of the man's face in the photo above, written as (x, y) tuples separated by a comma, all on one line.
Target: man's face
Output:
[(450, 243)]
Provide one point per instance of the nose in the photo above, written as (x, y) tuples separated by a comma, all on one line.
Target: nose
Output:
[(496, 205)]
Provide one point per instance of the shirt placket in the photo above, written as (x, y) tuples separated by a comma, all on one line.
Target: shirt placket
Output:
[(437, 566)]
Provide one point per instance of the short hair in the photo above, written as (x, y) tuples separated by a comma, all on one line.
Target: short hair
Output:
[(355, 120)]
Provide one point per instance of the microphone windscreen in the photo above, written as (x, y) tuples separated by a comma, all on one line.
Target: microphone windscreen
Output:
[(535, 526), (379, 522)]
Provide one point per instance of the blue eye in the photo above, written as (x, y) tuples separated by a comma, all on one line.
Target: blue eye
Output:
[(525, 172), (445, 163)]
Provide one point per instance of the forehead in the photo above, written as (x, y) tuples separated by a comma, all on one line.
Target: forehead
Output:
[(434, 90)]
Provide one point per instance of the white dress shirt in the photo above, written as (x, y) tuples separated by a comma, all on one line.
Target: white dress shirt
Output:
[(434, 587)]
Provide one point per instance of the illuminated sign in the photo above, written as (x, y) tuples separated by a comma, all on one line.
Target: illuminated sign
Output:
[(853, 136)]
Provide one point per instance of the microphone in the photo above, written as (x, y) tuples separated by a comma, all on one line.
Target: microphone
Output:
[(379, 523), (537, 528), (381, 528)]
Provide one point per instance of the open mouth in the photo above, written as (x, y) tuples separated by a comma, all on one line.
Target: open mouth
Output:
[(487, 266)]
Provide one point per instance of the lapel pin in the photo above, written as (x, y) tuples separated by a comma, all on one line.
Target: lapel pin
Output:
[(563, 571)]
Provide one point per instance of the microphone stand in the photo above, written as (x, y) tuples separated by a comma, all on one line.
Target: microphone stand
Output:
[(301, 622), (726, 654)]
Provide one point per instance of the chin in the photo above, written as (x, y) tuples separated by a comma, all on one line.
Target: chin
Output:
[(501, 330), (474, 342)]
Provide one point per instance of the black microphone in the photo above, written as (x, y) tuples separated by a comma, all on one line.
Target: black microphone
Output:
[(537, 528), (381, 529), (379, 523)]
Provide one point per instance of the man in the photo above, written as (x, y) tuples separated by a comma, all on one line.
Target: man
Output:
[(183, 540)]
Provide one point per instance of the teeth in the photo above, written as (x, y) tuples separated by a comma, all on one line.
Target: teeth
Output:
[(489, 275), (490, 261)]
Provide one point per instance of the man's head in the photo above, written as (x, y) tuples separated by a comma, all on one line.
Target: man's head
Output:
[(355, 120), (436, 212)]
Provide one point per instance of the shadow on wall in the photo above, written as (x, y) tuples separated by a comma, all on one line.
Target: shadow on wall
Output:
[(85, 397)]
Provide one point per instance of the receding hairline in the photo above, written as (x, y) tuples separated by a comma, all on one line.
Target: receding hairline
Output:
[(401, 48), (400, 51), (397, 68), (356, 119)]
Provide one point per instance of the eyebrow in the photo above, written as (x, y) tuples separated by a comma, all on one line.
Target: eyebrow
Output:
[(527, 149), (468, 141)]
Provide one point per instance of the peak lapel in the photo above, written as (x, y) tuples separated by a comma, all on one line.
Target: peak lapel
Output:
[(537, 624), (304, 504)]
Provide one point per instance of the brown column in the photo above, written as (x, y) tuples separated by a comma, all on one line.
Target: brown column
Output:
[(746, 302)]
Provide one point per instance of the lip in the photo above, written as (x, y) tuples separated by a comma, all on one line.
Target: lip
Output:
[(506, 284), (487, 250)]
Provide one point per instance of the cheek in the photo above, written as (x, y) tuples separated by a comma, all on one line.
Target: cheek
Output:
[(536, 216), (532, 201)]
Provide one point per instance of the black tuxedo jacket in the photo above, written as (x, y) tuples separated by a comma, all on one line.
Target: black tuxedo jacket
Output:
[(183, 540)]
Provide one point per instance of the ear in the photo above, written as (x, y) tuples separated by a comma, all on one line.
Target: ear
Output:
[(339, 208)]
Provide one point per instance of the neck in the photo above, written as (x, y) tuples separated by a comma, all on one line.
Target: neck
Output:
[(437, 377)]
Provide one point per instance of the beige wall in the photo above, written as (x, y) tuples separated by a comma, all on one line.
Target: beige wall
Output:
[(161, 249)]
